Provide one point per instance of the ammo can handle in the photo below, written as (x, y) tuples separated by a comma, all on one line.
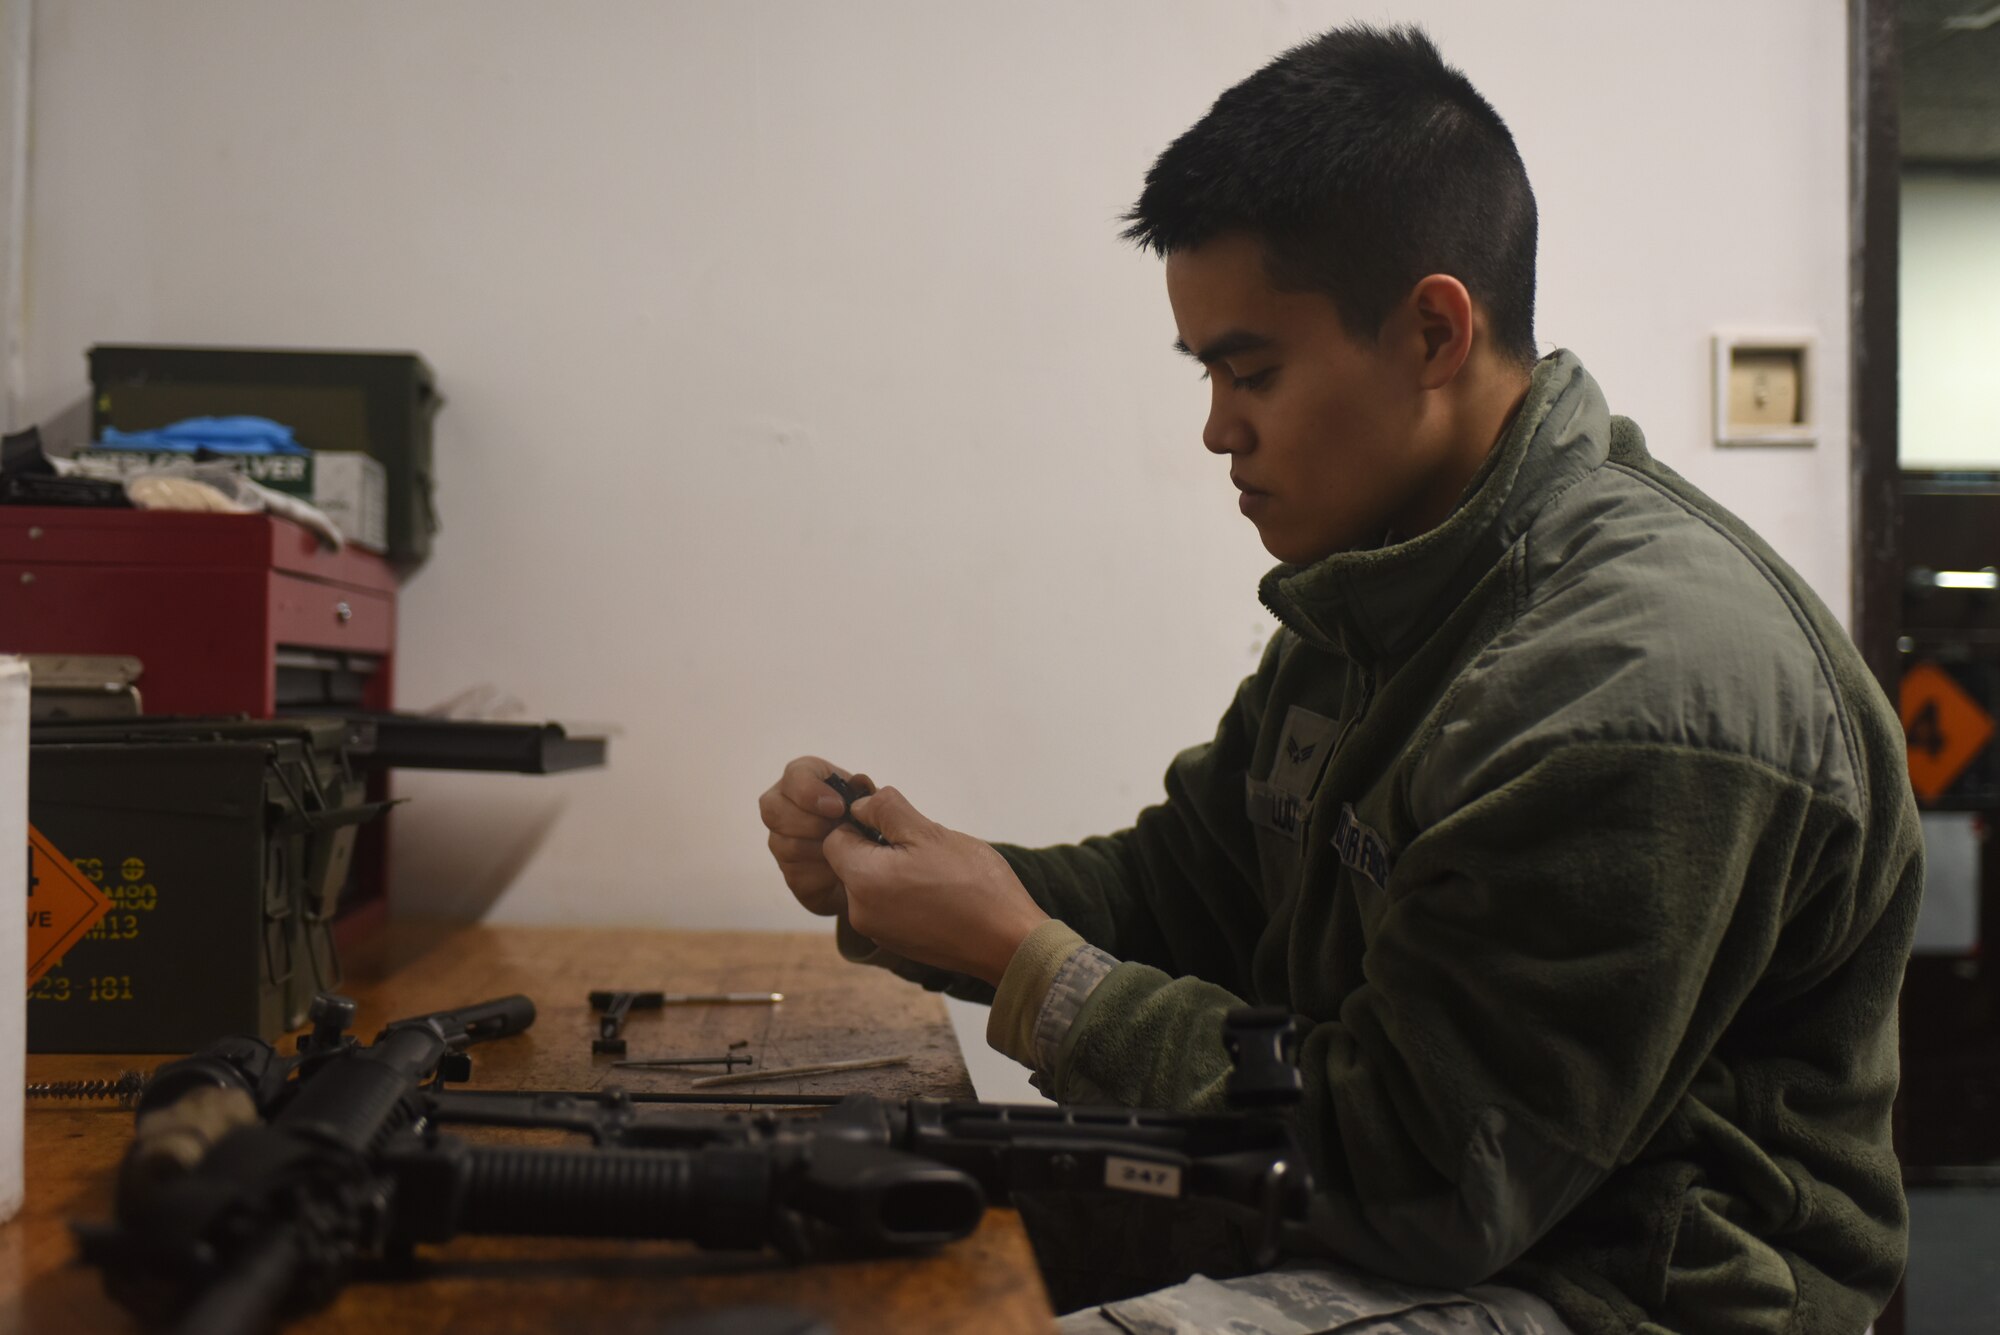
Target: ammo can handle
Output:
[(333, 818)]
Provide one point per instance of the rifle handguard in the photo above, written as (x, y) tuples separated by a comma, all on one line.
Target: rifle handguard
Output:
[(722, 1197)]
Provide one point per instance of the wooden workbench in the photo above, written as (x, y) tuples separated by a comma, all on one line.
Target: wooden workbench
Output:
[(832, 1010)]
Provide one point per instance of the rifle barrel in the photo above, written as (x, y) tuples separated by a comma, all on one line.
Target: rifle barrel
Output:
[(247, 1299)]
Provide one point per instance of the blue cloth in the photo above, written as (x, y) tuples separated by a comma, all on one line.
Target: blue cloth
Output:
[(219, 435)]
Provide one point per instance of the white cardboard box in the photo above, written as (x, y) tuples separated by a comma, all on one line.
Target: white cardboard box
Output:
[(354, 491), (350, 486)]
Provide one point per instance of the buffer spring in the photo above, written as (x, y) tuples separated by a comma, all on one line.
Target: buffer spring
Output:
[(123, 1088)]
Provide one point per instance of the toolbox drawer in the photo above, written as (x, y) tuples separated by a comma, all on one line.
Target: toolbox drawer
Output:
[(312, 614)]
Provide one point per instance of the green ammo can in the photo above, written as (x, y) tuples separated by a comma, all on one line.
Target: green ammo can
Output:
[(376, 403), (223, 845)]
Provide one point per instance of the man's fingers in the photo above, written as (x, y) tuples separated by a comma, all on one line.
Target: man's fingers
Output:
[(809, 877), (890, 812), (782, 815), (799, 803), (805, 785), (815, 886), (825, 902), (811, 841), (801, 850), (833, 805), (852, 854)]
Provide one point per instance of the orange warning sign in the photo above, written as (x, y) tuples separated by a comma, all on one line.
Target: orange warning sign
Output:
[(62, 905), (1944, 726)]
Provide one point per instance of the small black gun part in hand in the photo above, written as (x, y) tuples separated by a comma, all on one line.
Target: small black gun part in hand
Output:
[(848, 796)]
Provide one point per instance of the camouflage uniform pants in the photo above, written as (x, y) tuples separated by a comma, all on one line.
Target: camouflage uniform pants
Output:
[(1109, 1261), (1317, 1299)]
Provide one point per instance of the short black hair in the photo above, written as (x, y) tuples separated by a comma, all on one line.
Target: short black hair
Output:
[(1362, 162)]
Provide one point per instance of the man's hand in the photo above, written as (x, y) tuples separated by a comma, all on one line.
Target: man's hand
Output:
[(931, 894), (799, 809)]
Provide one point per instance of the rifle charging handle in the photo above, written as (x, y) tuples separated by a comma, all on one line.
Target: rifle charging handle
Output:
[(1263, 1047)]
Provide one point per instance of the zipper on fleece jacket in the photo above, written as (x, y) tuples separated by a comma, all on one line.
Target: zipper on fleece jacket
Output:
[(1354, 719)]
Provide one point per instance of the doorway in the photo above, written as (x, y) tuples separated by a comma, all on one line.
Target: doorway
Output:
[(1926, 454)]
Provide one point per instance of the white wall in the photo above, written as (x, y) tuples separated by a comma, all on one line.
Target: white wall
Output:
[(15, 60), (802, 397), (1950, 345)]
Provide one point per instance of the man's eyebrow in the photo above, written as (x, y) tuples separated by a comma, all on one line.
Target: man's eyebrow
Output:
[(1231, 343)]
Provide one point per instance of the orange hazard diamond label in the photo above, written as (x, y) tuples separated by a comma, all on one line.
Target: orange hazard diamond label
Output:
[(62, 905), (1946, 729)]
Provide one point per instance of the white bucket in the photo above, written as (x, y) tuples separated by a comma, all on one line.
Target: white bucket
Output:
[(13, 924)]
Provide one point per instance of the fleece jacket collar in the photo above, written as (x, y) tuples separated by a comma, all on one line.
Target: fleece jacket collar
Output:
[(1374, 606)]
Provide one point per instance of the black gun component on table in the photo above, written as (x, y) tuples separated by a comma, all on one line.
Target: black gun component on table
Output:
[(257, 1184)]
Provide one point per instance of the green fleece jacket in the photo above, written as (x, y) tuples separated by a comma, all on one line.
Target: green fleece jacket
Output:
[(1583, 840)]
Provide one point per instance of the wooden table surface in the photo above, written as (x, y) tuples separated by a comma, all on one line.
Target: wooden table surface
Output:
[(832, 1010)]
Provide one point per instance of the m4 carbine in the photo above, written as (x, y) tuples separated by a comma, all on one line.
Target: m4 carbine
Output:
[(256, 1183)]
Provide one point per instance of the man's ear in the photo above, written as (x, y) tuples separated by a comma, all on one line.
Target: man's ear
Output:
[(1442, 311)]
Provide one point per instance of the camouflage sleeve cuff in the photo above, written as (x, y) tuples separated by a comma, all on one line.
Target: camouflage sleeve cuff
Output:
[(1042, 991)]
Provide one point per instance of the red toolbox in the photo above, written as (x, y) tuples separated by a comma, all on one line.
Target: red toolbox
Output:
[(246, 614), (220, 609)]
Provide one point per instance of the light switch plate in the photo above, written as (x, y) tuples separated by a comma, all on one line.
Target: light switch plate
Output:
[(1763, 388)]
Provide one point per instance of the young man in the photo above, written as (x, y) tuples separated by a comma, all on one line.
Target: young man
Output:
[(1560, 808)]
